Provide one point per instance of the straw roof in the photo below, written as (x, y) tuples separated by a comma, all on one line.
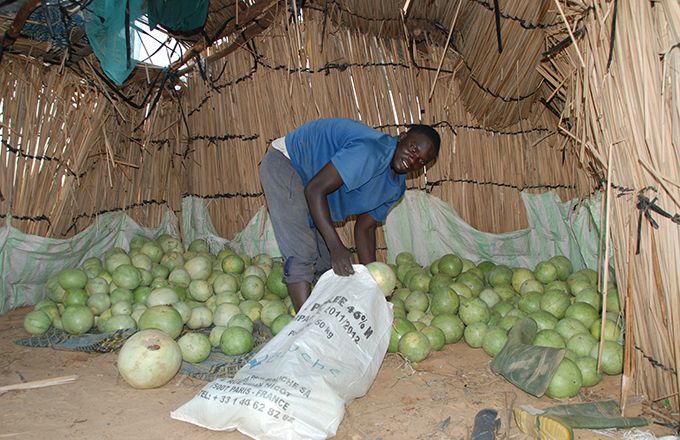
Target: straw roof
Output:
[(536, 95)]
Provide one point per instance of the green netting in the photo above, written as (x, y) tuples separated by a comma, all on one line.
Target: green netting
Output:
[(428, 227), (177, 15), (108, 31), (110, 28), (27, 261)]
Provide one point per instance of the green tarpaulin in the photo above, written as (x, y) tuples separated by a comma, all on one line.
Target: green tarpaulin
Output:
[(420, 223)]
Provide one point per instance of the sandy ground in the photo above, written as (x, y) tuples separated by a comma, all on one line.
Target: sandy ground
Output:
[(437, 400)]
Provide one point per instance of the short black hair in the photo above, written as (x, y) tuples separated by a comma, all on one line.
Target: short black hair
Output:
[(429, 132)]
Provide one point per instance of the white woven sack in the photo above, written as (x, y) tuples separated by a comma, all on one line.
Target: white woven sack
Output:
[(297, 386)]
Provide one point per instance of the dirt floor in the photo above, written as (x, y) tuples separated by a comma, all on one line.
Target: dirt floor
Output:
[(438, 400)]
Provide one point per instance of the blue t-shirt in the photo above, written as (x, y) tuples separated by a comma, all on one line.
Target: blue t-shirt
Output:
[(362, 156)]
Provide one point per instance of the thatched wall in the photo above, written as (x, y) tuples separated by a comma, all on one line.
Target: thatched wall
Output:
[(70, 152), (624, 107)]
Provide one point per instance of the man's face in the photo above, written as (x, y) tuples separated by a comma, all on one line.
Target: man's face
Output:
[(413, 152)]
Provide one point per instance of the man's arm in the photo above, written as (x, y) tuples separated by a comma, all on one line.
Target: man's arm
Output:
[(364, 237), (323, 183)]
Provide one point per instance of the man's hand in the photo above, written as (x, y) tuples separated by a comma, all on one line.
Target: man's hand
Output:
[(341, 259)]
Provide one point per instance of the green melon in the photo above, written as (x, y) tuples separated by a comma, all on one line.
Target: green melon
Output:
[(414, 346), (168, 243), (444, 300), (152, 251), (545, 272), (474, 310), (494, 340), (589, 374), (236, 341), (383, 275), (233, 264), (252, 287), (118, 322), (583, 312), (279, 323), (37, 322), (215, 335), (199, 245), (179, 277), (225, 282), (531, 285), (77, 319), (568, 327), (519, 276), (200, 317), (506, 322), (96, 285), (162, 317), (490, 297), (563, 266), (417, 300), (404, 257), (473, 281), (474, 334), (555, 302), (581, 344), (271, 311), (251, 308), (419, 280), (502, 308), (172, 260), (613, 304), (400, 326), (612, 357), (276, 282), (92, 267), (506, 293), (450, 264), (500, 275), (114, 257), (75, 296), (530, 302), (612, 330), (127, 276), (195, 347), (72, 278), (436, 337), (566, 382), (401, 293), (451, 325), (544, 320), (438, 282), (548, 338), (415, 315)]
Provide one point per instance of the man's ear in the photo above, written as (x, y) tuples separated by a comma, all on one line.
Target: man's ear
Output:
[(402, 135)]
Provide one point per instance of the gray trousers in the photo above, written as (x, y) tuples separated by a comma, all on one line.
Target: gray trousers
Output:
[(304, 250)]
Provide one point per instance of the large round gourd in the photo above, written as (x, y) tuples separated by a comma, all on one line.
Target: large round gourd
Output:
[(149, 359)]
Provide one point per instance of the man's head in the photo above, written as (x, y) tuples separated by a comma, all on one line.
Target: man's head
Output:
[(416, 148)]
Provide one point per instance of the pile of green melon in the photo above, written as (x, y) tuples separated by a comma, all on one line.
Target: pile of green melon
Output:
[(199, 300), (455, 299)]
